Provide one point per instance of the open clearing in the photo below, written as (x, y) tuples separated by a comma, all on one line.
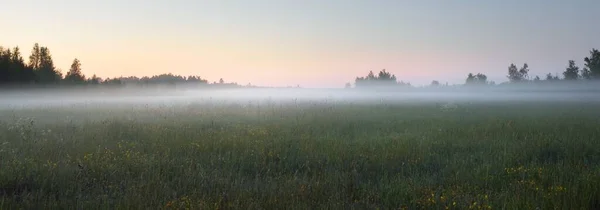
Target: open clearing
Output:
[(305, 155)]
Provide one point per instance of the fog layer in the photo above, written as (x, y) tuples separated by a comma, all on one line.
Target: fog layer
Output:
[(55, 98)]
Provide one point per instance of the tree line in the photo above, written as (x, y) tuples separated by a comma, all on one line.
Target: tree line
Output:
[(40, 70), (515, 75)]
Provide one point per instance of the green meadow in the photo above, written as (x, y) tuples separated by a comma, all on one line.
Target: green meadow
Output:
[(302, 155)]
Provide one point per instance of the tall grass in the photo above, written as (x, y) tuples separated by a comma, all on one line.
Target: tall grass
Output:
[(302, 156)]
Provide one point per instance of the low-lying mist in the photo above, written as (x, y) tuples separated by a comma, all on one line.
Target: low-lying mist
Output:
[(57, 98)]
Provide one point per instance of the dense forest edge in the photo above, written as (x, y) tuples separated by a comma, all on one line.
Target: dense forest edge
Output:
[(40, 72)]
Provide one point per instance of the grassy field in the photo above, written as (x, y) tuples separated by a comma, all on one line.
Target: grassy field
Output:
[(502, 155)]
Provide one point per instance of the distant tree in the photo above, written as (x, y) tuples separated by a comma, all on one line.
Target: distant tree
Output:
[(549, 77), (481, 78), (13, 69), (94, 80), (113, 81), (384, 78), (586, 74), (74, 74), (221, 81), (43, 66), (196, 79), (371, 76), (513, 73), (524, 72), (537, 79), (404, 84), (163, 79), (348, 85), (5, 63), (21, 72), (35, 57), (478, 79), (518, 75), (166, 79), (16, 56), (572, 72), (592, 65), (470, 79), (435, 83)]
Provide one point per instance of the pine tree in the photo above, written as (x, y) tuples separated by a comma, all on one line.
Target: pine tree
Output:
[(74, 75)]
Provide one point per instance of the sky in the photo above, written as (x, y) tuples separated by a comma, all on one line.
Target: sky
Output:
[(311, 43)]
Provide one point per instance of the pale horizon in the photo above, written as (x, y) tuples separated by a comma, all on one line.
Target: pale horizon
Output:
[(308, 43)]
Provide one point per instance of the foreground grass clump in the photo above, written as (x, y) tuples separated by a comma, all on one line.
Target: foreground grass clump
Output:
[(322, 155)]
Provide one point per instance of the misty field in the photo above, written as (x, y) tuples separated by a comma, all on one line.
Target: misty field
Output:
[(302, 155)]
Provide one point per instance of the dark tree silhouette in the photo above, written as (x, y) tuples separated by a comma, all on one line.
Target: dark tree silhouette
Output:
[(524, 72), (74, 76), (371, 76), (41, 70), (549, 77), (586, 74), (34, 58), (513, 73), (21, 73), (5, 66), (572, 72), (42, 64), (478, 79), (592, 65), (481, 78), (13, 69), (94, 80), (519, 75), (470, 78), (386, 76), (196, 79), (383, 79), (113, 82)]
